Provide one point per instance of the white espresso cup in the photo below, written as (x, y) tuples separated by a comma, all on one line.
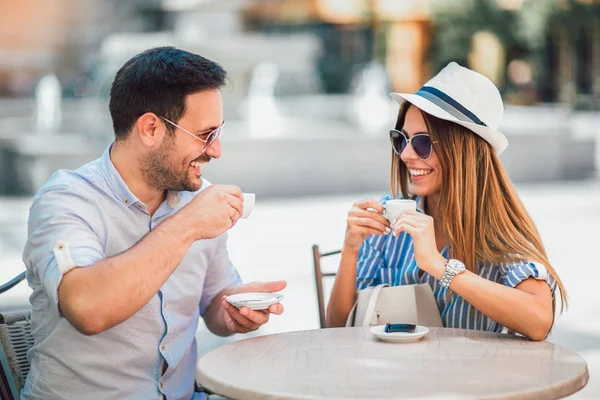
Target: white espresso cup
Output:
[(395, 208), (248, 206)]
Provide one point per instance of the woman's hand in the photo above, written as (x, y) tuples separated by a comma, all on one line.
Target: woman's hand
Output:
[(365, 218), (420, 227)]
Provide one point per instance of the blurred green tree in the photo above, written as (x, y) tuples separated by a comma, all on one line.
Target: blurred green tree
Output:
[(456, 22)]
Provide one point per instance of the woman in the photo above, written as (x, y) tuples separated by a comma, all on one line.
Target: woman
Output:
[(471, 239)]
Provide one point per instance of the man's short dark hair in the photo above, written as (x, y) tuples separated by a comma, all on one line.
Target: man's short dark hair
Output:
[(158, 80)]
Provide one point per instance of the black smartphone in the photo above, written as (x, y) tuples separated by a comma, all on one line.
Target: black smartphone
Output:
[(408, 328)]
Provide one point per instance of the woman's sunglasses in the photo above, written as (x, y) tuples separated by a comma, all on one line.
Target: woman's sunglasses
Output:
[(421, 143)]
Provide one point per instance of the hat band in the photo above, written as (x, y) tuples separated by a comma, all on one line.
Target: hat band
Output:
[(449, 105)]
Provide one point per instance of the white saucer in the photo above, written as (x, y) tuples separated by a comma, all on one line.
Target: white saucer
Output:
[(398, 337), (254, 300)]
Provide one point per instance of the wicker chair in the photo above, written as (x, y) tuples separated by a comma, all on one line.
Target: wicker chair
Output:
[(16, 340)]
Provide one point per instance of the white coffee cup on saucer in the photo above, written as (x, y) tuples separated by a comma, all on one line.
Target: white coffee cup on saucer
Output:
[(249, 199), (396, 207)]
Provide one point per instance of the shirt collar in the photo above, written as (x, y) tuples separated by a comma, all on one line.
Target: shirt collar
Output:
[(119, 187), (173, 198), (420, 203)]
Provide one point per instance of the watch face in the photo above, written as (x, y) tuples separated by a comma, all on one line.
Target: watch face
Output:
[(456, 265)]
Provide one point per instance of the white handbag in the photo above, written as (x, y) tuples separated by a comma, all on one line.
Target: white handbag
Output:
[(410, 304)]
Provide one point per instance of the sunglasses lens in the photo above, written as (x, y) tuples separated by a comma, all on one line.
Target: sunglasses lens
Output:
[(422, 146), (398, 141)]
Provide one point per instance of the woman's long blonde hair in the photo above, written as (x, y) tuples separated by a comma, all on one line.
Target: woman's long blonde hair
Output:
[(484, 219)]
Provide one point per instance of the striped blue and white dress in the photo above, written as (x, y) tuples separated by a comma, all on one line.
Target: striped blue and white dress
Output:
[(391, 260)]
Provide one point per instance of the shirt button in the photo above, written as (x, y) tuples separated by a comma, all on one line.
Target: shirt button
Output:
[(165, 304), (161, 385), (163, 347), (126, 201)]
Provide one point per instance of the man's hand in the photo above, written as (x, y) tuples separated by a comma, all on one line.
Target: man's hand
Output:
[(213, 211), (246, 320)]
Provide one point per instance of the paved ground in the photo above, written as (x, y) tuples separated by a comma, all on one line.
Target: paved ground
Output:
[(275, 243)]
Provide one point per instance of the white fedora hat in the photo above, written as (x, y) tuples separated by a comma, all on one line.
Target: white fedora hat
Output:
[(465, 97)]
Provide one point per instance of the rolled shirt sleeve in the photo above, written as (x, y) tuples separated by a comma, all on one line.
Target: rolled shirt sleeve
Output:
[(518, 271), (220, 274), (61, 235)]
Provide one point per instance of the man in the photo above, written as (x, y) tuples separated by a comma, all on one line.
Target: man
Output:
[(124, 253)]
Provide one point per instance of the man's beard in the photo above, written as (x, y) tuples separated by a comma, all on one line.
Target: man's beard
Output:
[(161, 171)]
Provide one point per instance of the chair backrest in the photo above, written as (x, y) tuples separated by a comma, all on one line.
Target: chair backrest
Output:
[(319, 275), (16, 340), (12, 283)]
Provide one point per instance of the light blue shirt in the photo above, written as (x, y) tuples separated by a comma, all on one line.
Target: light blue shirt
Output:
[(391, 260), (92, 211)]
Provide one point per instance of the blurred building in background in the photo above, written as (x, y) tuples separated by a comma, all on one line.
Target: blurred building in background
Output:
[(309, 81), (533, 50), (62, 37), (354, 33)]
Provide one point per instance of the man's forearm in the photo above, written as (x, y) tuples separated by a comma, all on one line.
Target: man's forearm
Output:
[(107, 293)]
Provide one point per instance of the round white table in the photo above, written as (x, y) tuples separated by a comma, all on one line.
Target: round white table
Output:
[(350, 363)]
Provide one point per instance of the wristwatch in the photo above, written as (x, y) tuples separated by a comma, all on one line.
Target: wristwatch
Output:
[(453, 268)]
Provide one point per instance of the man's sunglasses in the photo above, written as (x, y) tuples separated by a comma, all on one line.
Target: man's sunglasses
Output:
[(210, 139), (421, 143)]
